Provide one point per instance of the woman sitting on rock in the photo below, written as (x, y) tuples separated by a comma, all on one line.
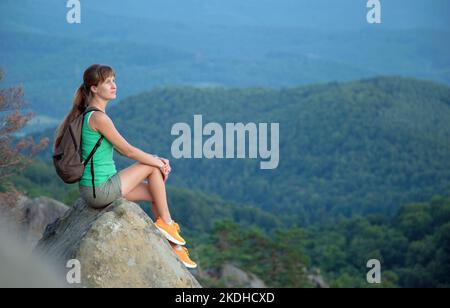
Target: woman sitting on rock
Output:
[(142, 181)]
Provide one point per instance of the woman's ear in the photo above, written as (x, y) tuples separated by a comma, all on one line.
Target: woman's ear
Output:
[(94, 89)]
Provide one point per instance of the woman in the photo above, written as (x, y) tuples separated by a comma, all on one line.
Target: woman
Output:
[(142, 181)]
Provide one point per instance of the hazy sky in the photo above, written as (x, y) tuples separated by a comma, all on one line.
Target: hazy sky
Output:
[(323, 14), (305, 13)]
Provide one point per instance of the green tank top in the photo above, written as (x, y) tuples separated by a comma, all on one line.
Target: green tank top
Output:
[(104, 166)]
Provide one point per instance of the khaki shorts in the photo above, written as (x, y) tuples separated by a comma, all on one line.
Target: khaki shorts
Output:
[(105, 193)]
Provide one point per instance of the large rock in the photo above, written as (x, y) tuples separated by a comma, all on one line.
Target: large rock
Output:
[(316, 279), (28, 217), (22, 222), (235, 277), (116, 247)]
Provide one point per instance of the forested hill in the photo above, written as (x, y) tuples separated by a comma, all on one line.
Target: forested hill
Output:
[(349, 148)]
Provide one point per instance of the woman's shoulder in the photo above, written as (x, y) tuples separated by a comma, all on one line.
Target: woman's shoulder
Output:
[(97, 118)]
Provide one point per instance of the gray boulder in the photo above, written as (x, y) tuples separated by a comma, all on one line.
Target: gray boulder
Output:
[(117, 246), (316, 279), (27, 218), (235, 277)]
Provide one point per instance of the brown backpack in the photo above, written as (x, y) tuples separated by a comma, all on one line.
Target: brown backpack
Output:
[(67, 157)]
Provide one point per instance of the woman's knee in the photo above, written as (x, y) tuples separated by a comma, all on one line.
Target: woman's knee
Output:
[(133, 175), (152, 169)]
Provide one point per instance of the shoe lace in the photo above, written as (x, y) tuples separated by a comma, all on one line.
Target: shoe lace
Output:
[(186, 251)]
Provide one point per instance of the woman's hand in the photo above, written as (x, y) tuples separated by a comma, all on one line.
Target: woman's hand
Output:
[(165, 161), (165, 169)]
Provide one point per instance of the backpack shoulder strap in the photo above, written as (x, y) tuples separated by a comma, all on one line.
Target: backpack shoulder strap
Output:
[(93, 151), (89, 109), (99, 141)]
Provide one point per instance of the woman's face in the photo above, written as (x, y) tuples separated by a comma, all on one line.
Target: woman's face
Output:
[(107, 89)]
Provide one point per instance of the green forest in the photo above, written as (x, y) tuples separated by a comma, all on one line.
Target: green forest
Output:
[(413, 248)]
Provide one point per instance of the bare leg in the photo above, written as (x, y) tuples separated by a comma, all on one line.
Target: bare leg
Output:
[(155, 211), (157, 189), (135, 188)]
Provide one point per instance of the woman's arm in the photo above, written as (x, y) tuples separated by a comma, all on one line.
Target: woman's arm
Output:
[(145, 158), (103, 124)]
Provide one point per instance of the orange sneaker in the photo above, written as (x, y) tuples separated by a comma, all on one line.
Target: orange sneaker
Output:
[(183, 255), (170, 231), (177, 226)]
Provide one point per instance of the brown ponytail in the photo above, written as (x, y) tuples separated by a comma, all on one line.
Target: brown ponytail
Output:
[(92, 76)]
